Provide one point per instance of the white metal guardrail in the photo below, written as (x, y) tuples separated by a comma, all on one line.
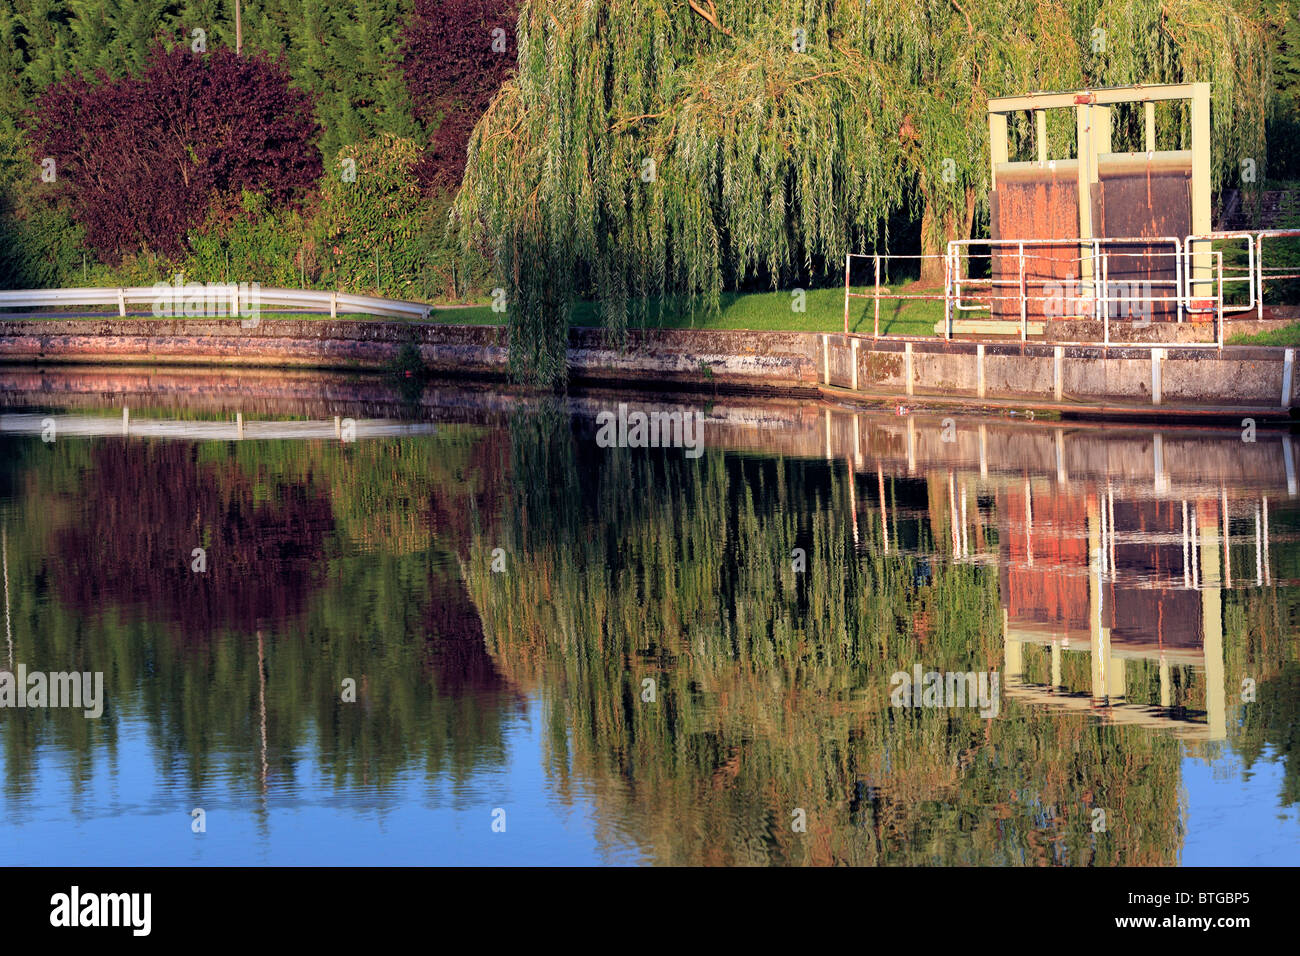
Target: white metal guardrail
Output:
[(213, 300), (91, 426), (1250, 278), (877, 260), (1095, 294), (1263, 273)]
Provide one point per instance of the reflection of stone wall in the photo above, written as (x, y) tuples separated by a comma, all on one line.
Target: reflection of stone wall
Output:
[(1190, 460)]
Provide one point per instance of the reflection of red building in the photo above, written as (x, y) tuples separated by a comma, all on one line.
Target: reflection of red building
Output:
[(1045, 568), (1044, 561), (1118, 581)]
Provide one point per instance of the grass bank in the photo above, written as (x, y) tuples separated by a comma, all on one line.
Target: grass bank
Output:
[(1287, 337), (822, 311), (819, 310)]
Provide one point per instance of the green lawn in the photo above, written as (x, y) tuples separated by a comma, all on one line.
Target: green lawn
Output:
[(1287, 336), (823, 311), (765, 311)]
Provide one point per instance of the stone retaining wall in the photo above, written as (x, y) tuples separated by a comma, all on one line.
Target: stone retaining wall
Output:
[(961, 372)]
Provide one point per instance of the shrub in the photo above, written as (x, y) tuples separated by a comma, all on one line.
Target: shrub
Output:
[(261, 244), (381, 211), (452, 72), (143, 159)]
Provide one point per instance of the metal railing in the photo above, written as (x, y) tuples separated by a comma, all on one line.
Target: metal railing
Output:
[(1097, 296), (1250, 278), (1260, 276), (1094, 291), (878, 288), (218, 300)]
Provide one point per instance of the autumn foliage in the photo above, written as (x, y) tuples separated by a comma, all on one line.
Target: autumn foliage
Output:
[(144, 159), (454, 64)]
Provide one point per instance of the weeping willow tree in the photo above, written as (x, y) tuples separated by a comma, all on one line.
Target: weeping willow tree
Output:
[(649, 153)]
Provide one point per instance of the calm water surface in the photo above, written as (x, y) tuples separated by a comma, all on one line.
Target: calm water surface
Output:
[(632, 655)]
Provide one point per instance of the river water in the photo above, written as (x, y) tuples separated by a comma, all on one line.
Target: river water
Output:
[(348, 621)]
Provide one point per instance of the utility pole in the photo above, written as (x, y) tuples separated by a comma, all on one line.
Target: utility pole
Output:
[(239, 31)]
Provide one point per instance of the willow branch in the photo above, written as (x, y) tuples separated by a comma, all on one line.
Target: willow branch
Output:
[(709, 16)]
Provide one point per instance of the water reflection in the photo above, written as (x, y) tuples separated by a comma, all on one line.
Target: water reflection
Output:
[(621, 645)]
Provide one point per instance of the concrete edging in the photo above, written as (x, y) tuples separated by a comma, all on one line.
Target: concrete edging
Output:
[(1087, 378)]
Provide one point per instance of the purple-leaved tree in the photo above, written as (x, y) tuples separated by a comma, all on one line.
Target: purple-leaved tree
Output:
[(455, 55), (145, 159)]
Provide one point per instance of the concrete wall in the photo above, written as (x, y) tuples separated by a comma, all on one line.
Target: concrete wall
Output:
[(1238, 377), (1085, 379)]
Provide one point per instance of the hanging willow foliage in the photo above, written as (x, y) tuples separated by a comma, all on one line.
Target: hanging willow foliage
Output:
[(653, 151)]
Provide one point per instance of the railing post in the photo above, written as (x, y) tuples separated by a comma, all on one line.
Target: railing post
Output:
[(1219, 311), (1259, 275), (1096, 278), (1024, 312), (1250, 266), (1179, 291), (876, 331), (947, 292), (1104, 299), (847, 257), (949, 273)]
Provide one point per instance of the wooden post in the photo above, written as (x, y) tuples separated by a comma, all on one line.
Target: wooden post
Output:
[(1093, 142), (1101, 124), (1212, 622), (1099, 637), (1083, 127)]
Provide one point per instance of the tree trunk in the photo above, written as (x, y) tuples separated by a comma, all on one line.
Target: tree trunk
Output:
[(936, 235)]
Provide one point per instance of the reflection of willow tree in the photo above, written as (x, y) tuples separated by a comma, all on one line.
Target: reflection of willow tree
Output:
[(381, 603), (1261, 628), (772, 687)]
